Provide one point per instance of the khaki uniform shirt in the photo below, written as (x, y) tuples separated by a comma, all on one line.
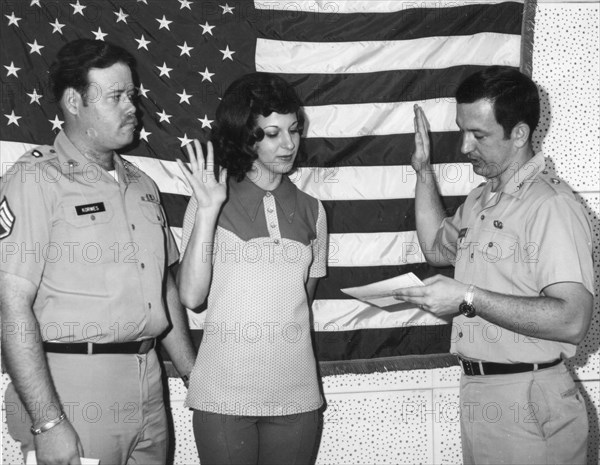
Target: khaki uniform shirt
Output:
[(95, 248), (532, 234)]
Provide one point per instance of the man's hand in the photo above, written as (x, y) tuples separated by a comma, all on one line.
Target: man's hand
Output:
[(210, 192), (58, 446), (420, 157), (440, 295)]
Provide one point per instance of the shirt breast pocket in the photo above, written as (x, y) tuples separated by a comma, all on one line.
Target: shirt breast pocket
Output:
[(499, 249), (88, 232), (153, 234)]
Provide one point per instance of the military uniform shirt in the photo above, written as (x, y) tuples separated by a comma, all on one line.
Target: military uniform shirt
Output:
[(97, 249), (531, 234), (256, 356)]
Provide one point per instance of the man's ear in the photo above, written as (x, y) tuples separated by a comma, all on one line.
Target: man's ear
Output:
[(72, 100), (520, 134)]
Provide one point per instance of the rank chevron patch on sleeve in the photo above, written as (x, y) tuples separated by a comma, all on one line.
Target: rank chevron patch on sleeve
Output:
[(7, 219)]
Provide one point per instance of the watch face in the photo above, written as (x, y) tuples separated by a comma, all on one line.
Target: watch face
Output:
[(467, 309)]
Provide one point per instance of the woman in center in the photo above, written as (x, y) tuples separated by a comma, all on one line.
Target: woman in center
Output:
[(255, 246)]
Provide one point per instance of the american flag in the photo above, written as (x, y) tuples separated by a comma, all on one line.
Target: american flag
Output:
[(358, 66)]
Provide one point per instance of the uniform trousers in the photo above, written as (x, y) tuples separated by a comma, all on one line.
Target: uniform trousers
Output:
[(114, 401), (537, 417)]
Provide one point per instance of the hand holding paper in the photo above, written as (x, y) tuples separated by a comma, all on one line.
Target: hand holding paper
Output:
[(381, 294)]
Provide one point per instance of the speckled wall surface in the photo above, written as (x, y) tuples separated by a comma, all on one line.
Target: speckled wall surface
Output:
[(412, 417)]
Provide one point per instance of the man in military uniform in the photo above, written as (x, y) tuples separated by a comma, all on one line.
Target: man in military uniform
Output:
[(523, 289), (84, 286)]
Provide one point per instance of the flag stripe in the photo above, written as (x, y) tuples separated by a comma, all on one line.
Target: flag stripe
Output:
[(483, 49), (347, 20), (368, 119), (381, 87), (329, 288)]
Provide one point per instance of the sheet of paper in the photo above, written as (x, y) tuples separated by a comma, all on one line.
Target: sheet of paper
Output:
[(31, 460), (381, 293)]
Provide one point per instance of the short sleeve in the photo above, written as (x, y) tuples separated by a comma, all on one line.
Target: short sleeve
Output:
[(560, 237), (25, 216), (446, 239), (188, 225), (318, 267)]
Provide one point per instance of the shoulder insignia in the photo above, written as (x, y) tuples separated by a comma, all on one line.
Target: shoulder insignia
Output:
[(7, 219)]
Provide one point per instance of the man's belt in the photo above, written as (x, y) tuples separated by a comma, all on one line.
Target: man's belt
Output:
[(476, 368), (89, 348)]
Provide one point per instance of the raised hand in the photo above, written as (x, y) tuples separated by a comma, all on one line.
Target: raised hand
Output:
[(420, 157), (210, 192)]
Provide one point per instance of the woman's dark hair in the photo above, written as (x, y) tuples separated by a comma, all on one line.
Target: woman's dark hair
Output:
[(514, 96), (236, 130), (75, 59)]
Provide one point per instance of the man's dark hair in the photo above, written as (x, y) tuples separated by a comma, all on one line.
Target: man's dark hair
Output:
[(236, 129), (514, 96), (75, 59)]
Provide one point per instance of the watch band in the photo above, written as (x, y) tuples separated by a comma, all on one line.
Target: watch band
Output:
[(470, 294)]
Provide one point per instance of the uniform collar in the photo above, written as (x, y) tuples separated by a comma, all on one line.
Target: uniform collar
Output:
[(74, 161), (251, 196), (518, 182)]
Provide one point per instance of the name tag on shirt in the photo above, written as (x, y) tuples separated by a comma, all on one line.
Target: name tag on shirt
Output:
[(90, 208)]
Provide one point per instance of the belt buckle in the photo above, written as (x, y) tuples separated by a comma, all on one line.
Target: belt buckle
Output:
[(469, 367)]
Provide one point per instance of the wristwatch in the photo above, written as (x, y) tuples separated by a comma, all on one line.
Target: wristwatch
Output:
[(466, 307)]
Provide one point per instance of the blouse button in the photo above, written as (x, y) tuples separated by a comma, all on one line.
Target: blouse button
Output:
[(276, 241), (268, 194), (270, 209), (272, 225)]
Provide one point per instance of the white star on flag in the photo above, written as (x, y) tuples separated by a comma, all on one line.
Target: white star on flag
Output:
[(143, 91), (185, 4), (56, 123), (99, 34), (164, 23), (205, 121), (185, 49), (184, 140), (12, 19), (35, 2), (12, 118), (144, 134), (56, 26), (227, 9), (35, 97), (164, 70), (121, 16), (206, 75), (164, 117), (142, 42), (184, 97), (206, 28), (78, 8), (35, 47), (227, 54), (12, 69)]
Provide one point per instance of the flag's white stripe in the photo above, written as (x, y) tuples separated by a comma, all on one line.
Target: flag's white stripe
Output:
[(367, 249), (348, 315), (335, 183), (293, 57), (378, 119), (381, 182), (365, 6), (374, 249)]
